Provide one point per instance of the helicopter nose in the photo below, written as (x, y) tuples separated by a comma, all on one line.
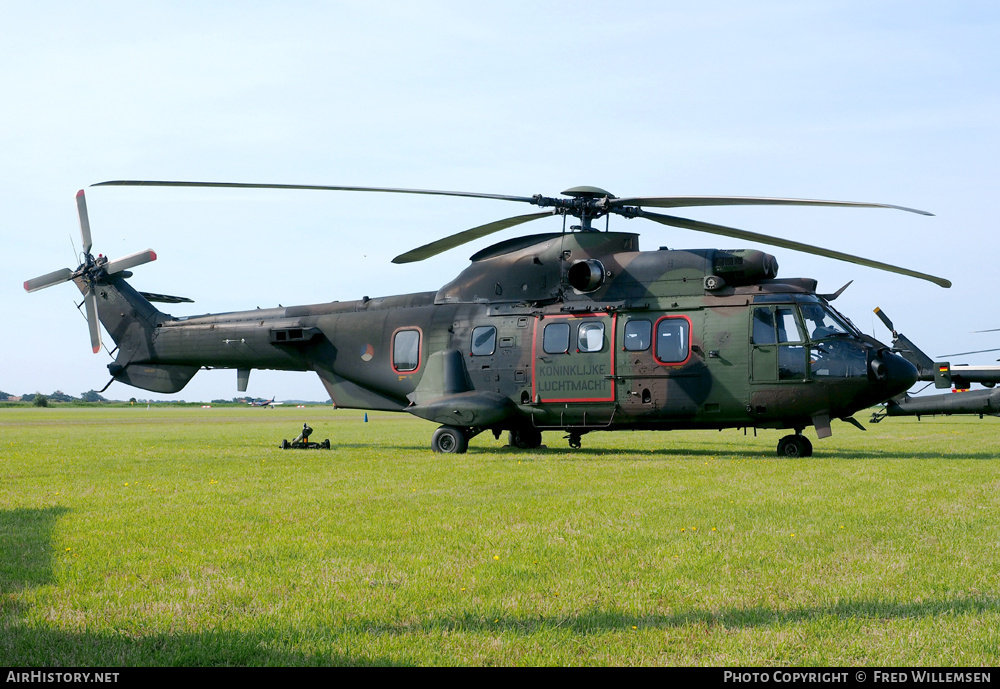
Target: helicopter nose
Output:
[(896, 374)]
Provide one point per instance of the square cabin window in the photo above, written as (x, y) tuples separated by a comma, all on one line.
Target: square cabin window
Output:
[(637, 335), (555, 338), (672, 340), (484, 340), (406, 350), (590, 337)]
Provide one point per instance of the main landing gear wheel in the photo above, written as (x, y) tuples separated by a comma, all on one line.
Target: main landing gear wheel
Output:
[(450, 440), (525, 438), (795, 446)]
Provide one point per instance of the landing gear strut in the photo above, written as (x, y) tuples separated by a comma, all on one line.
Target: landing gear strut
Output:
[(574, 441)]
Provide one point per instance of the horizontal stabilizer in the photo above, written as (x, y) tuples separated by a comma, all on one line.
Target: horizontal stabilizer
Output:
[(165, 298)]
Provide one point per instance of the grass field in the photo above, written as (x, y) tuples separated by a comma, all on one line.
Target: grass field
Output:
[(187, 537)]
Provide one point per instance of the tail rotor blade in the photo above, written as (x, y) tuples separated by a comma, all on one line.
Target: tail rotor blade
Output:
[(130, 261), (885, 319), (47, 280), (95, 325), (81, 209)]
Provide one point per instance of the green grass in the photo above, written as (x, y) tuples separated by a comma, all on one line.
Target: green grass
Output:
[(186, 537)]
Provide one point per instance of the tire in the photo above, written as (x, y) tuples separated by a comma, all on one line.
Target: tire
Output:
[(794, 446), (525, 438), (449, 440)]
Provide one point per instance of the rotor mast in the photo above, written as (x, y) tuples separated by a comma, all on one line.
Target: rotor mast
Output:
[(585, 203)]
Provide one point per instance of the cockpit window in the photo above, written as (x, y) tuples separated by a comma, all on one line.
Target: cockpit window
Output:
[(822, 323), (788, 325), (763, 326)]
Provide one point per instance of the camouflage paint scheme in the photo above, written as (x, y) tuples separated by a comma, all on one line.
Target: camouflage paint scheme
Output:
[(694, 363)]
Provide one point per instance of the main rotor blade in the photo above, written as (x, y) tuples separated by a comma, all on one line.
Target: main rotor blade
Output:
[(978, 351), (81, 210), (249, 185), (688, 201), (47, 280), (90, 299), (130, 261), (711, 228), (450, 242)]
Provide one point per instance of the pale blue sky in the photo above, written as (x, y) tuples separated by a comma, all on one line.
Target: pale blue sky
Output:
[(892, 102)]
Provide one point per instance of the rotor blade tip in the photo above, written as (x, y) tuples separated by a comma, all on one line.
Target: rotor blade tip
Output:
[(97, 349), (79, 193)]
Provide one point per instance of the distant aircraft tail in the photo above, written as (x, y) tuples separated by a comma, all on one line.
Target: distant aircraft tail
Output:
[(927, 368)]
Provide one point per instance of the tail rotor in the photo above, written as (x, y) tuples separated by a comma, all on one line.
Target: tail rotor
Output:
[(90, 273)]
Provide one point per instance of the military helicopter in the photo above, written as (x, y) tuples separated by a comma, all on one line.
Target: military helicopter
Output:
[(572, 331), (944, 375)]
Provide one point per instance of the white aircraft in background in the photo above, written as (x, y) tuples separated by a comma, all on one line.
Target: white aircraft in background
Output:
[(264, 403)]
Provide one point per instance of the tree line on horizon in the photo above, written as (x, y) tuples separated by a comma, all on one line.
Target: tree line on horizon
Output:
[(39, 399)]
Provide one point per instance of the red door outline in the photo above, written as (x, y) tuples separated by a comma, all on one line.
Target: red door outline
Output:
[(609, 358)]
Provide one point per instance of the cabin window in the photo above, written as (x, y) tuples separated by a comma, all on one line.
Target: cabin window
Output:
[(590, 336), (555, 338), (484, 340), (672, 341), (637, 335), (406, 350)]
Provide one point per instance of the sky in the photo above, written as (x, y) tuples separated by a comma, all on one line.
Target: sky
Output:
[(886, 102)]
